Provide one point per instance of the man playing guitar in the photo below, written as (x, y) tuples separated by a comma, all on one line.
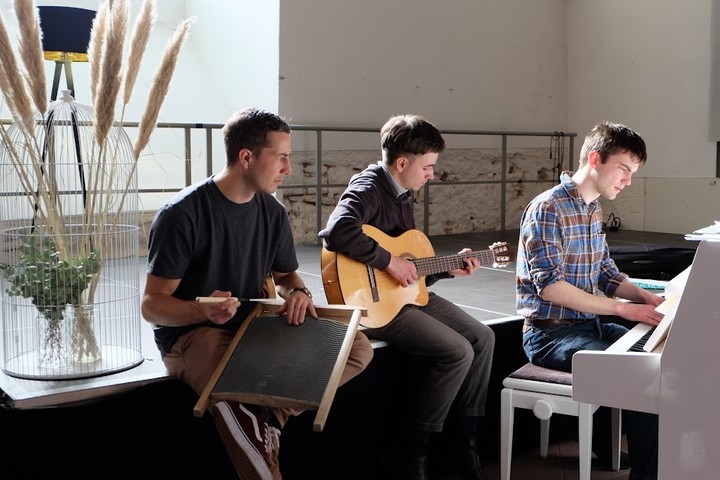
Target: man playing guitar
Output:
[(454, 348)]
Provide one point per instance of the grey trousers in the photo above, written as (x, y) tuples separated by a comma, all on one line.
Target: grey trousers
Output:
[(457, 351)]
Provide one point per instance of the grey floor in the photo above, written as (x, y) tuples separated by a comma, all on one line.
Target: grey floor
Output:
[(489, 296), (560, 464)]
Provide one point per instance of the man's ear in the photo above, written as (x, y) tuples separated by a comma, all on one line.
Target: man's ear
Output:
[(401, 163), (244, 156), (594, 159)]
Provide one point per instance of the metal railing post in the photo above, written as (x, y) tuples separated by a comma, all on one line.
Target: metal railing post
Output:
[(503, 183), (318, 183), (208, 152)]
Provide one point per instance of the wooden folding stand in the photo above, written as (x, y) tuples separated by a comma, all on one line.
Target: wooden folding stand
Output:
[(274, 364)]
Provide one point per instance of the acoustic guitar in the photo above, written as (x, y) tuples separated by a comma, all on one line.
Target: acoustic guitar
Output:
[(349, 282)]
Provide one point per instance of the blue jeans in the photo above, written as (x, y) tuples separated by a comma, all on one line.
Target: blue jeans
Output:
[(553, 347)]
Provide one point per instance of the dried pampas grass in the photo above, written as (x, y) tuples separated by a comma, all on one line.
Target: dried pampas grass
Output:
[(31, 52), (161, 84), (138, 42), (111, 63), (95, 47), (13, 86)]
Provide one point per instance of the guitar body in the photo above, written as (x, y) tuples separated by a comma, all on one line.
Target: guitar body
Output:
[(350, 283)]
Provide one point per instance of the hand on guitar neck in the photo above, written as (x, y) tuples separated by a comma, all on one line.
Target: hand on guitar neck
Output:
[(384, 292), (403, 269)]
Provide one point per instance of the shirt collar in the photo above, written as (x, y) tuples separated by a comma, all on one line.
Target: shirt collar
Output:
[(399, 190), (571, 189)]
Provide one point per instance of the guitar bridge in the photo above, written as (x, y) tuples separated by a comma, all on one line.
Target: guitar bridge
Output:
[(373, 283)]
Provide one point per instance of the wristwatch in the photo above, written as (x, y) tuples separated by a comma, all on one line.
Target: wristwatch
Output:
[(301, 289)]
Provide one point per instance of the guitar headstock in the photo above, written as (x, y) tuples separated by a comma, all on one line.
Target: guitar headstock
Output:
[(503, 254)]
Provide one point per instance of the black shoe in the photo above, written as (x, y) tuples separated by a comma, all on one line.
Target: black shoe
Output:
[(604, 459), (416, 467), (407, 463), (469, 459), (406, 467)]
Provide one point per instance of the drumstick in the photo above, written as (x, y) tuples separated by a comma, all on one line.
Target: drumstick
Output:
[(217, 299)]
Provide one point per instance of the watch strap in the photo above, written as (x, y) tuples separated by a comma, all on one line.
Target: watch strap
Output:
[(301, 289)]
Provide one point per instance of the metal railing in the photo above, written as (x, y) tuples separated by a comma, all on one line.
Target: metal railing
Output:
[(319, 132), (503, 135)]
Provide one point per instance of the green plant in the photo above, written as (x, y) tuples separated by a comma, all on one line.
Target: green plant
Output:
[(52, 282)]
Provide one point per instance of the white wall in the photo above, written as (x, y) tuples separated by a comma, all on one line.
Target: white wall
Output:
[(490, 64), (472, 64), (518, 65), (646, 63), (237, 41), (229, 61)]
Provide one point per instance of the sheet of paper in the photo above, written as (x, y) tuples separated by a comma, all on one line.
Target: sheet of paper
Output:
[(673, 293), (711, 232), (714, 228)]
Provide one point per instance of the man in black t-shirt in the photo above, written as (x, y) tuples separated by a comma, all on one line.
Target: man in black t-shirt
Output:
[(221, 238)]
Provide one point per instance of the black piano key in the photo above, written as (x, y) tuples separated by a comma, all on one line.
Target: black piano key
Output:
[(638, 346)]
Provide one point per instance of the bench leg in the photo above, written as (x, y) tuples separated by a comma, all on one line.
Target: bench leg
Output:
[(544, 437), (507, 419)]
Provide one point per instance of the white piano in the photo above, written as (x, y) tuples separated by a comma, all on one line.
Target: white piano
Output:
[(679, 380)]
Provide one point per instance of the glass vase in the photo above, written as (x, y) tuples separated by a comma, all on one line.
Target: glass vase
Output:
[(53, 349), (84, 346)]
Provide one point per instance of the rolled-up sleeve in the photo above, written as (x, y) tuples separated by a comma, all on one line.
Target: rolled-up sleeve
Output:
[(543, 246)]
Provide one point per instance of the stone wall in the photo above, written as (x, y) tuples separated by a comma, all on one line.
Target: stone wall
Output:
[(472, 206), (453, 208)]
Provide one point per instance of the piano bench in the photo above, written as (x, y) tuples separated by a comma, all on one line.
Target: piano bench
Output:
[(546, 391)]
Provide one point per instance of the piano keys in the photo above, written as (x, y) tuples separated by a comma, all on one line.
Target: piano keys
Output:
[(639, 346)]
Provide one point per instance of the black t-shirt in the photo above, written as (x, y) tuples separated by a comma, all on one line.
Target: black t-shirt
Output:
[(212, 243)]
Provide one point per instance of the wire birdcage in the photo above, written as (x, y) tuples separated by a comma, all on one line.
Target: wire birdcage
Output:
[(69, 227)]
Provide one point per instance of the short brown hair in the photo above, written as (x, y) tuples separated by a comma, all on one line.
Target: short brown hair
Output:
[(609, 138), (409, 134), (249, 128)]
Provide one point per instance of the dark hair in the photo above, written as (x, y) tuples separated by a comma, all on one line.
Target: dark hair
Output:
[(609, 138), (409, 134), (249, 128)]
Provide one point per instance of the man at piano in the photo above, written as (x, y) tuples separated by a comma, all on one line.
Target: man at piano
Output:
[(564, 268)]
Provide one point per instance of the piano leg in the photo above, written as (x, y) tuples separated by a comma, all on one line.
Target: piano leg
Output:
[(585, 423), (616, 429)]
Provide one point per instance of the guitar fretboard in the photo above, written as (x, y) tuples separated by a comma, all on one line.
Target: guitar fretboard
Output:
[(446, 263)]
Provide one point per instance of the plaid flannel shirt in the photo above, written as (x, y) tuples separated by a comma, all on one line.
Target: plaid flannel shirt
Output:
[(561, 238)]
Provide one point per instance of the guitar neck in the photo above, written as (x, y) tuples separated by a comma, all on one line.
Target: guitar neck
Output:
[(446, 263)]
